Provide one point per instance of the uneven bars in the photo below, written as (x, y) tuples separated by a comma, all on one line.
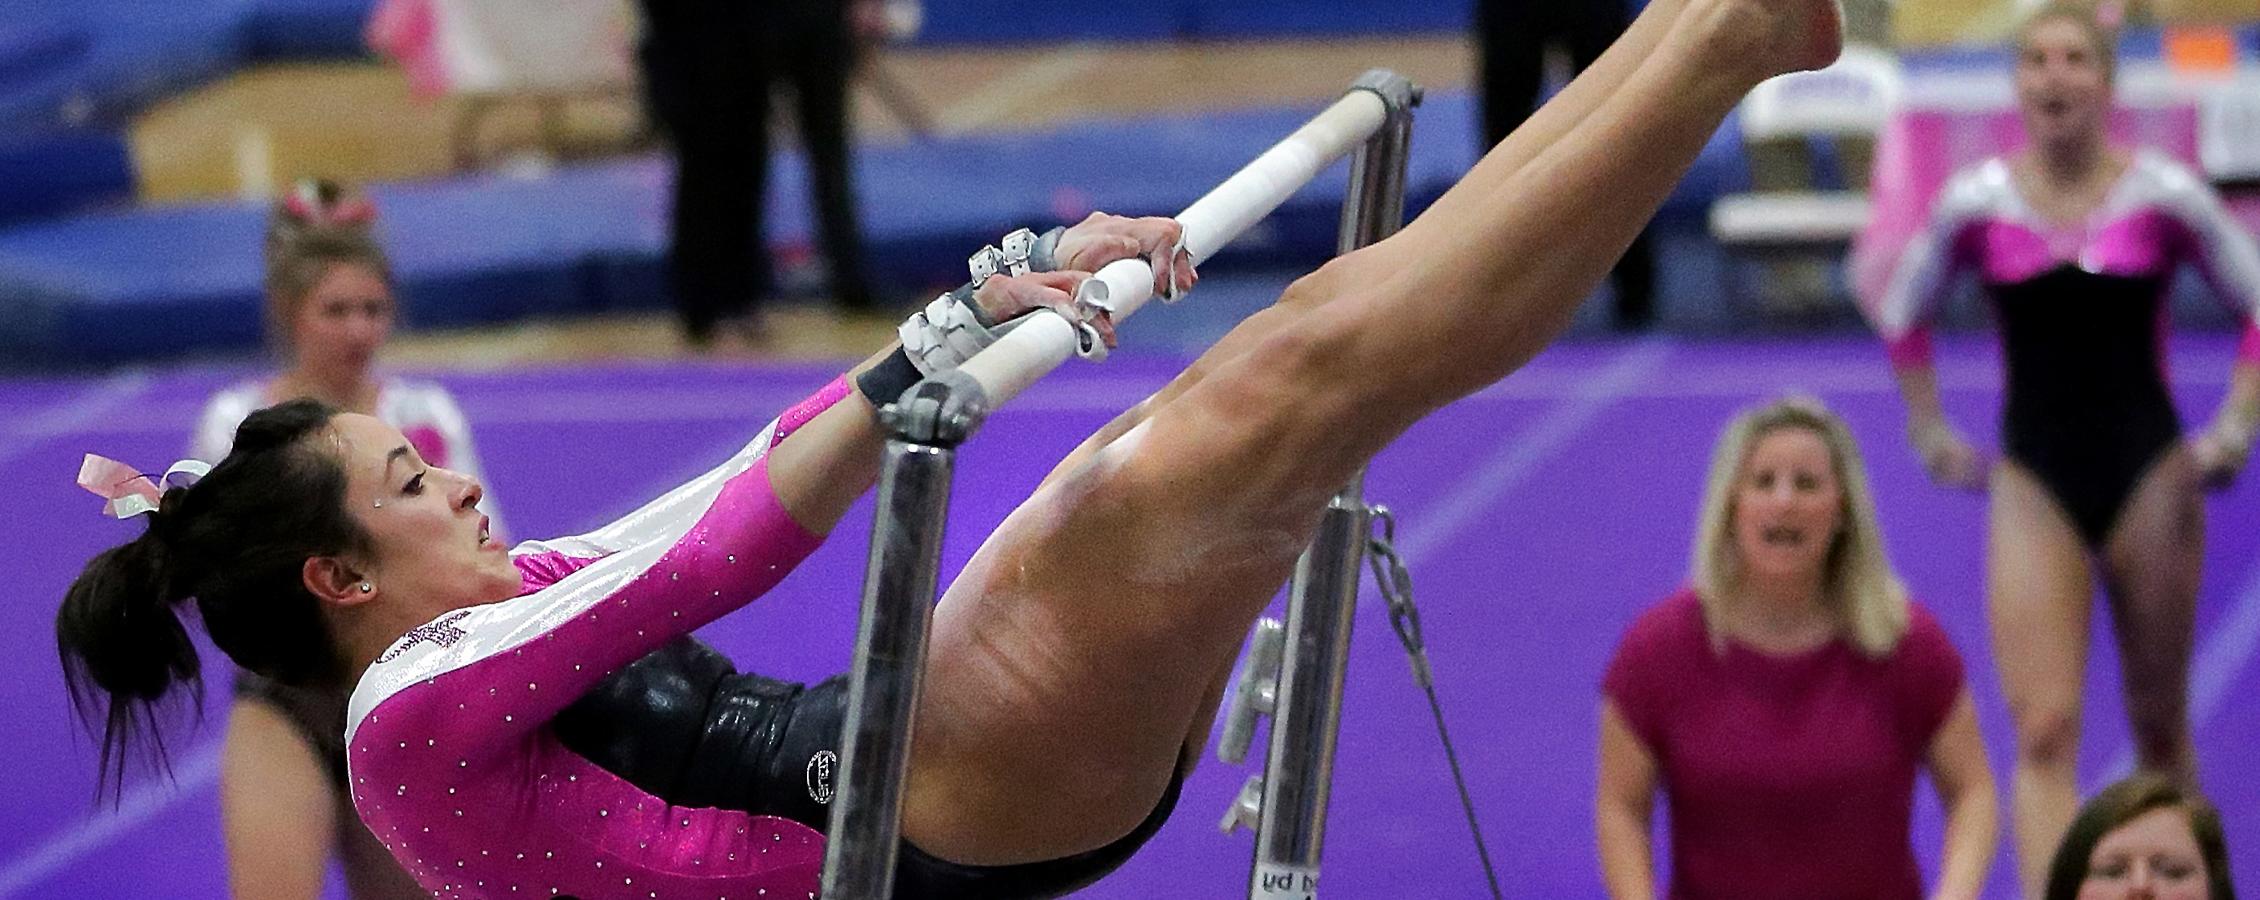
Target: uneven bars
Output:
[(928, 424)]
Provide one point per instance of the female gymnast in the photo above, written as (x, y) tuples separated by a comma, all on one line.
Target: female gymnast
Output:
[(1786, 700), (1075, 661), (330, 308), (284, 765), (2075, 243), (2148, 837)]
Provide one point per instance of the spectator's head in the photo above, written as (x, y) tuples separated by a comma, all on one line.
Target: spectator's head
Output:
[(329, 285), (2067, 60), (2150, 837), (1788, 503)]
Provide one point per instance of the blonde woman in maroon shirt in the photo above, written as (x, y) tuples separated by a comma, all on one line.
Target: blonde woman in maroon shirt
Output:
[(1785, 700)]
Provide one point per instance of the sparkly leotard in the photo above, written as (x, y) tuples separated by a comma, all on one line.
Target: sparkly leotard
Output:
[(449, 750), (2082, 313)]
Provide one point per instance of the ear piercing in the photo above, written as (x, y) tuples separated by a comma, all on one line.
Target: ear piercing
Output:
[(367, 587), (379, 504)]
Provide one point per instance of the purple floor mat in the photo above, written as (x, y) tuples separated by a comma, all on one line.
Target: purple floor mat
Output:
[(1539, 518)]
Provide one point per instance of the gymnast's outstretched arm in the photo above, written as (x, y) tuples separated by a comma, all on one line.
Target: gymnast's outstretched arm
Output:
[(2229, 259)]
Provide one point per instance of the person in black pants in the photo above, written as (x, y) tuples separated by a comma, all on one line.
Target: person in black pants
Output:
[(1513, 36), (708, 68)]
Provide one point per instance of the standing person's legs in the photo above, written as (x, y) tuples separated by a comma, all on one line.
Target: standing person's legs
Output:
[(1071, 657), (818, 50), (2153, 562), (2039, 595), (1634, 280), (1511, 48), (1509, 155), (710, 92), (1591, 26)]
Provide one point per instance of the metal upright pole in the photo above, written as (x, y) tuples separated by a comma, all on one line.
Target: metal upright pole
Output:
[(926, 427), (1298, 774)]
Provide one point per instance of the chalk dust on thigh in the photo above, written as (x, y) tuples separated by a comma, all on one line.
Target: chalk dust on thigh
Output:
[(1070, 658)]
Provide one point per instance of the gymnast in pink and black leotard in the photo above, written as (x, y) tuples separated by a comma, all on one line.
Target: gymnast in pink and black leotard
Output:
[(326, 552), (2075, 242), (2083, 317)]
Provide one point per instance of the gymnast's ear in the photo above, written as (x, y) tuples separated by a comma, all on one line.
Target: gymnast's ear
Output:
[(335, 582)]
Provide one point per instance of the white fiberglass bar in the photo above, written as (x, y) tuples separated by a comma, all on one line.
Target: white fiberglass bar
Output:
[(1040, 344)]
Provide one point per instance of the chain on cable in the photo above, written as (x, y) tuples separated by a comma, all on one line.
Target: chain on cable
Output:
[(1395, 581)]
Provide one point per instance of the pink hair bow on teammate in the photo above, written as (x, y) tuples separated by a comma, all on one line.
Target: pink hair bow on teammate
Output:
[(307, 203), (128, 492)]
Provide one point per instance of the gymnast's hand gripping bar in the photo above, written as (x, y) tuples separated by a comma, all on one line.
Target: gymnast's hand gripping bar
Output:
[(1122, 288), (927, 425)]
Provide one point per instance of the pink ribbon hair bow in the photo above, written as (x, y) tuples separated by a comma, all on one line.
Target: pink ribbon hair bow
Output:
[(128, 492)]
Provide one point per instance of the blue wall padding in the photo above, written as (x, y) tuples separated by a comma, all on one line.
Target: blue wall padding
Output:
[(1320, 18), (1022, 22), (48, 173), (305, 29), (1010, 22), (116, 286), (74, 61), (31, 49), (132, 53)]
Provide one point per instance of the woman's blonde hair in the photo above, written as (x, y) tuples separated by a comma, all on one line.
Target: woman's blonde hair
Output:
[(317, 225), (2088, 15), (1859, 587)]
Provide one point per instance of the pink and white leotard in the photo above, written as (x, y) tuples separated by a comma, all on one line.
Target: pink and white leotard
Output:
[(451, 760)]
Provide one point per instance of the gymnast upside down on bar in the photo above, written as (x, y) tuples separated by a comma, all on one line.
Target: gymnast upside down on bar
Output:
[(1074, 663)]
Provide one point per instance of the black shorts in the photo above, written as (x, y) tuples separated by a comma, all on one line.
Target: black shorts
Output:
[(686, 727)]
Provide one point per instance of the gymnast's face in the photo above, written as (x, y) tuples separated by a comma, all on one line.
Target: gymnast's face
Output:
[(1787, 504), (2153, 857), (343, 319), (2063, 82), (430, 542)]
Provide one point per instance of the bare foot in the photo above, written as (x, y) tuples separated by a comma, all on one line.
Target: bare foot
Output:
[(1765, 38), (1823, 35)]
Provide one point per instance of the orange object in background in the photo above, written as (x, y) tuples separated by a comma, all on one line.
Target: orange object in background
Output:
[(2208, 49)]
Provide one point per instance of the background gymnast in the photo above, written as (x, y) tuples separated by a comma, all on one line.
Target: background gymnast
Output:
[(2075, 242), (330, 310)]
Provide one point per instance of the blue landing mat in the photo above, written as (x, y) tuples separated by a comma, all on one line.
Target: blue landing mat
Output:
[(128, 285)]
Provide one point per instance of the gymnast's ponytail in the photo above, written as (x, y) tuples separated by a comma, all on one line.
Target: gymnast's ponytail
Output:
[(236, 543), (120, 635)]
